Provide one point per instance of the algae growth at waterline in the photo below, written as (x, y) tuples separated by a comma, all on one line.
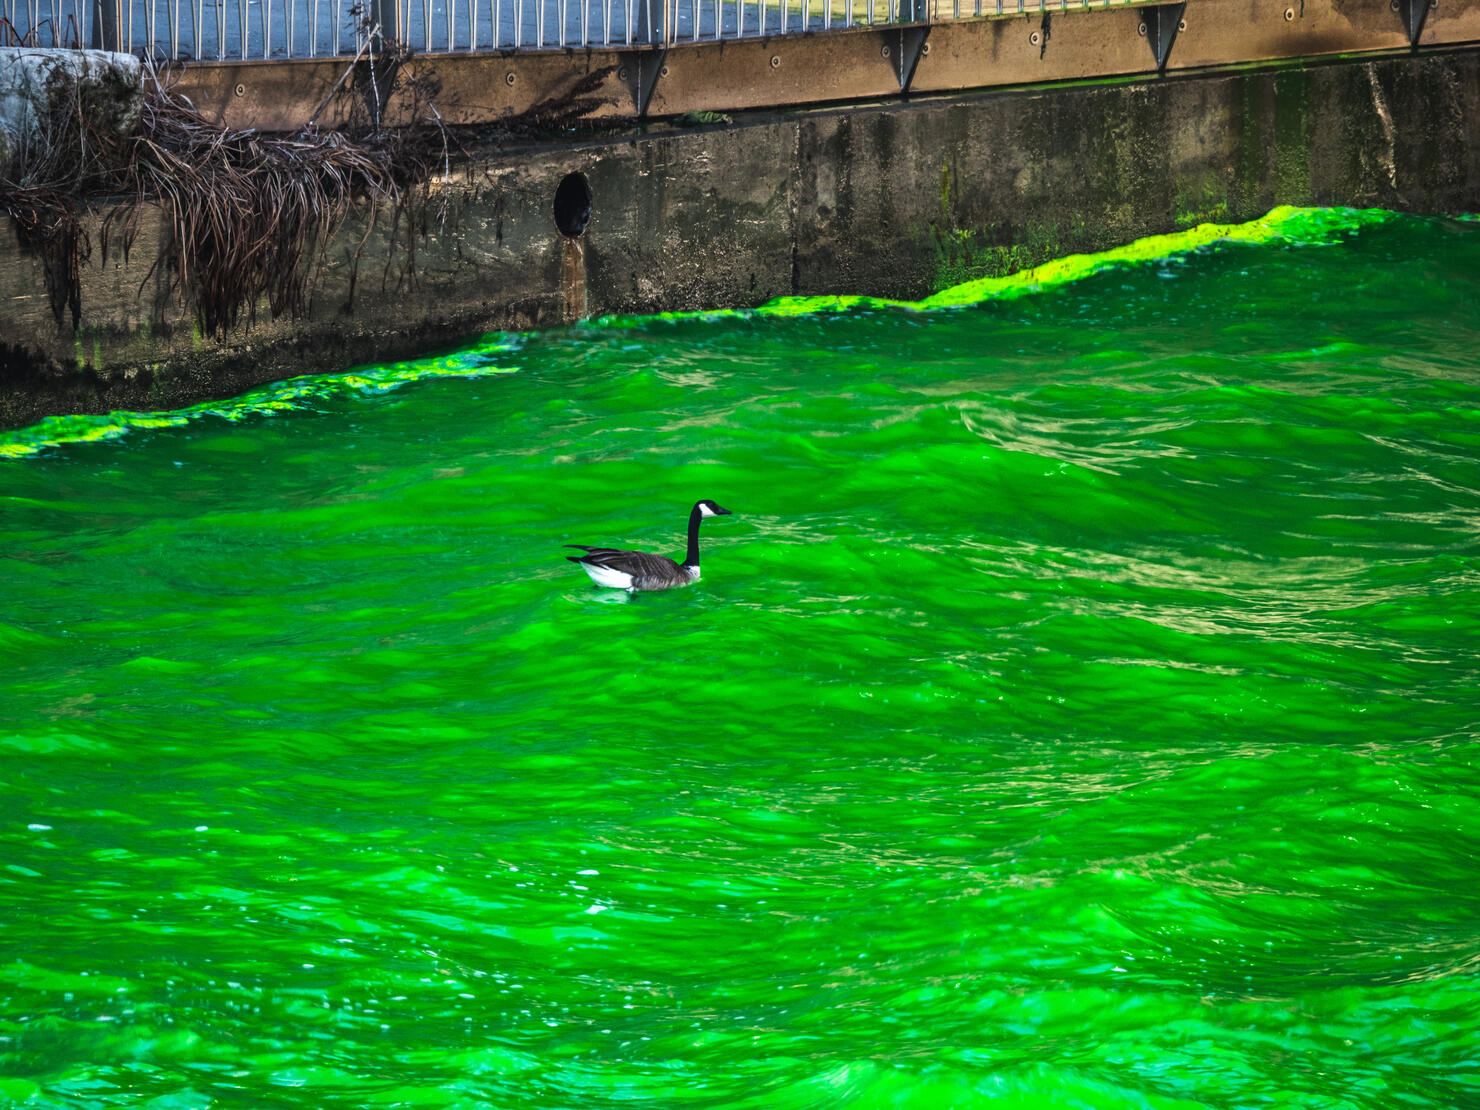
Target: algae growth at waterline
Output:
[(1079, 709)]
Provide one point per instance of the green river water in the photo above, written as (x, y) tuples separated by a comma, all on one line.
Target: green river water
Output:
[(1080, 709)]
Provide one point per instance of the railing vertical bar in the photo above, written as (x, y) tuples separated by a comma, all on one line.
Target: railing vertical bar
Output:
[(606, 24), (539, 24)]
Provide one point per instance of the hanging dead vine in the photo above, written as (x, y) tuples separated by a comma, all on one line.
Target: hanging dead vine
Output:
[(248, 216)]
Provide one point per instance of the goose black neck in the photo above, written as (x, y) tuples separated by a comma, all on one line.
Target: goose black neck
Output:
[(692, 558)]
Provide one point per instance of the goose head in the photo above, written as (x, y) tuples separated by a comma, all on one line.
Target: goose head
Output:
[(710, 508)]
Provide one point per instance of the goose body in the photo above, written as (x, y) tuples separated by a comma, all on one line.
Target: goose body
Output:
[(637, 570)]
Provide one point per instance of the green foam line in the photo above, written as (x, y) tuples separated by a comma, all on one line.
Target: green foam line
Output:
[(1304, 226), (488, 356), (1286, 224)]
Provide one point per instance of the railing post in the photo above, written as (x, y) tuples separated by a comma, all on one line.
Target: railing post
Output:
[(104, 33), (649, 22), (386, 14)]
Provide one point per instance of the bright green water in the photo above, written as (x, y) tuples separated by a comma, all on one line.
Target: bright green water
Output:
[(1080, 710)]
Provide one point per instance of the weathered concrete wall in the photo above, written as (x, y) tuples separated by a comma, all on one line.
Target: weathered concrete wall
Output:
[(890, 200)]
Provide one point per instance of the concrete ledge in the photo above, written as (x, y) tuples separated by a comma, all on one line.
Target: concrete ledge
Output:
[(1069, 43), (892, 200)]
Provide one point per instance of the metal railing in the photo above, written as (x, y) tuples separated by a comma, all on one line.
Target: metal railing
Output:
[(239, 30)]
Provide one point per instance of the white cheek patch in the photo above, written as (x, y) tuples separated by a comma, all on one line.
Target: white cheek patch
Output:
[(705, 510)]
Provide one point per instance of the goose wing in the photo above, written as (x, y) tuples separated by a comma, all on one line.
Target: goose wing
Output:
[(633, 570), (639, 564)]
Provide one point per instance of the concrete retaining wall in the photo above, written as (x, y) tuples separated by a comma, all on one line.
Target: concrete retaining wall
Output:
[(891, 200)]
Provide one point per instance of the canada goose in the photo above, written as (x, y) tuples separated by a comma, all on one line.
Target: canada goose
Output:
[(637, 570)]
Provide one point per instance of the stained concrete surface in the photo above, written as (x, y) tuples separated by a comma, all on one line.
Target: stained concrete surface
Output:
[(891, 199)]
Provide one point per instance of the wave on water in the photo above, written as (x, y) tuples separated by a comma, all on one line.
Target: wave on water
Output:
[(488, 356), (491, 353)]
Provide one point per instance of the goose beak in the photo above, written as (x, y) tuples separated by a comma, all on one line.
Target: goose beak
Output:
[(722, 511)]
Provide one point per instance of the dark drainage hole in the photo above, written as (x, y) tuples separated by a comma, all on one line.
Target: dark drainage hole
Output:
[(573, 205)]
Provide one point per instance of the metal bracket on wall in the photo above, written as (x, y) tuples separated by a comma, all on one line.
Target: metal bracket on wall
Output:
[(907, 55), (1413, 13), (641, 69), (1162, 24)]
